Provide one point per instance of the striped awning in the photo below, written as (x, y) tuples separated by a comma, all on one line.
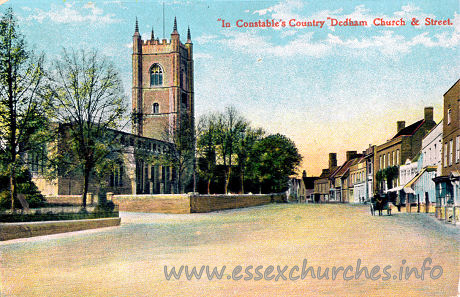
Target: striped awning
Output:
[(409, 191), (395, 189), (412, 181)]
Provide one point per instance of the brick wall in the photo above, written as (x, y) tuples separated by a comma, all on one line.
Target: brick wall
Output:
[(72, 199), (451, 130), (179, 203), (184, 203), (207, 203)]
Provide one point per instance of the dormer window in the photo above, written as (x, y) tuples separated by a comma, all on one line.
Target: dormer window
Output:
[(156, 75)]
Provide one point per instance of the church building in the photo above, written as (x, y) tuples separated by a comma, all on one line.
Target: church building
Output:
[(162, 100), (162, 83)]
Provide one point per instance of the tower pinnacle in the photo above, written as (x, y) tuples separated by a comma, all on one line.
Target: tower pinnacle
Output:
[(175, 26), (189, 36), (152, 37), (136, 28)]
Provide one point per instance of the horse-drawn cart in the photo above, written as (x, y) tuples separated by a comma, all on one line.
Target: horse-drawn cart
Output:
[(380, 203)]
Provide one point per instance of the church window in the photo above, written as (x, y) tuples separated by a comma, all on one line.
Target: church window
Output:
[(156, 108), (156, 75), (184, 100), (36, 160)]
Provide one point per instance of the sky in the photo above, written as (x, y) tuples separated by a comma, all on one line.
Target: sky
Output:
[(329, 89)]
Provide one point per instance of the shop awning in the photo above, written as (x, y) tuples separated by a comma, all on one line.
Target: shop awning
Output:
[(412, 181), (395, 189), (409, 190), (454, 175)]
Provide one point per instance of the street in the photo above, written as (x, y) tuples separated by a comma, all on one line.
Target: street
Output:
[(129, 260)]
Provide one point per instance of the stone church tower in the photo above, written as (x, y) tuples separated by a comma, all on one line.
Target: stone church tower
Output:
[(162, 84)]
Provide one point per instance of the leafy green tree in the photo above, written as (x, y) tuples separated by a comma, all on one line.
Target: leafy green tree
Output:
[(275, 158), (24, 186), (22, 104), (380, 178), (89, 104), (388, 174), (207, 148), (246, 143), (391, 173)]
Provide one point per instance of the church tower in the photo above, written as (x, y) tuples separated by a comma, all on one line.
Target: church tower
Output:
[(162, 93)]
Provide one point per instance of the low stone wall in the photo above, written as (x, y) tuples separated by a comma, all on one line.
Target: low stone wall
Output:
[(184, 203), (21, 230), (54, 210), (163, 203), (207, 203), (72, 199)]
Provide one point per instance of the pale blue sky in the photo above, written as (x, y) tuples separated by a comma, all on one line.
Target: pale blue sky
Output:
[(330, 90)]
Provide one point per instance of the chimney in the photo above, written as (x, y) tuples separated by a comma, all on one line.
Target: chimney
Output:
[(351, 155), (428, 114), (332, 160), (304, 174), (400, 125)]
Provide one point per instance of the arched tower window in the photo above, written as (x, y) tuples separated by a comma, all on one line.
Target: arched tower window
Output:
[(156, 108), (156, 75)]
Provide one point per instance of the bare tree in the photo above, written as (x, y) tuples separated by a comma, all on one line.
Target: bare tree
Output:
[(230, 125), (89, 101), (22, 106), (181, 153)]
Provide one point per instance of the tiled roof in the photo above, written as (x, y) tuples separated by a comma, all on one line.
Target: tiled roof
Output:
[(344, 168), (327, 172), (334, 172), (409, 130)]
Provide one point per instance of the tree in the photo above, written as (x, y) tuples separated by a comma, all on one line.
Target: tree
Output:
[(389, 175), (24, 186), (275, 158), (380, 178), (246, 142), (22, 106), (89, 104), (181, 153), (230, 125), (206, 148)]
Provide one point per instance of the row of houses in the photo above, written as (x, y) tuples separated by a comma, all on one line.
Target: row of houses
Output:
[(419, 167)]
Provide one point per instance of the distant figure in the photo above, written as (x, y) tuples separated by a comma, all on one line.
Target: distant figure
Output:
[(372, 206), (379, 203)]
